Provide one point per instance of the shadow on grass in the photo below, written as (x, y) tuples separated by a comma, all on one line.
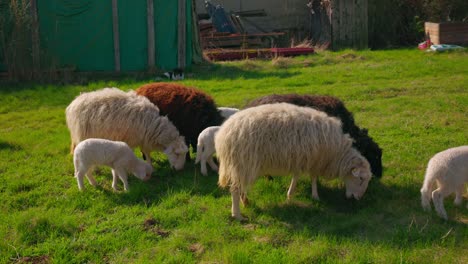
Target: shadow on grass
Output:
[(9, 146), (386, 214), (164, 183), (223, 71)]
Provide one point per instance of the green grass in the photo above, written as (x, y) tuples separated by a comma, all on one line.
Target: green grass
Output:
[(413, 103)]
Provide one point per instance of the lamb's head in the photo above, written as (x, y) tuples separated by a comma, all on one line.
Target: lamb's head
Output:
[(176, 152), (357, 178), (143, 171)]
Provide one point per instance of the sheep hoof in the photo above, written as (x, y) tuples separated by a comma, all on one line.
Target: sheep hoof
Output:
[(443, 215), (240, 218), (427, 208)]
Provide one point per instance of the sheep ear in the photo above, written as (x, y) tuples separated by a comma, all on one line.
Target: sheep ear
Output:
[(355, 172)]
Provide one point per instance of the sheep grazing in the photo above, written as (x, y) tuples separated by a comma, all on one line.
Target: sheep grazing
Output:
[(226, 112), (206, 149), (116, 115), (449, 169), (190, 109), (115, 154), (281, 139), (205, 142), (333, 107)]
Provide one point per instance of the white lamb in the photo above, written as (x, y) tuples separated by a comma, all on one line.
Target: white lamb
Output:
[(115, 154), (282, 139), (449, 169), (226, 112), (206, 149)]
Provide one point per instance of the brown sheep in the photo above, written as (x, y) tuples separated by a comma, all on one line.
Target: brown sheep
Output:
[(189, 109)]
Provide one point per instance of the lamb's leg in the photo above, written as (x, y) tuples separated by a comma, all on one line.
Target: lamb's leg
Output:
[(115, 177), (123, 177), (438, 198), (90, 177), (292, 187), (235, 210), (459, 195), (79, 174), (203, 167), (314, 188), (212, 164)]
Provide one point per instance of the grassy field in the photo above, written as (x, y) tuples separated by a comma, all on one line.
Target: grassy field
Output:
[(413, 103)]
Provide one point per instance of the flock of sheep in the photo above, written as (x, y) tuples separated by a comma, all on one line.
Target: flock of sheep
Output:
[(272, 135)]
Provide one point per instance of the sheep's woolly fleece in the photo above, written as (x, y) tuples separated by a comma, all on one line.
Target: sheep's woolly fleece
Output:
[(116, 115)]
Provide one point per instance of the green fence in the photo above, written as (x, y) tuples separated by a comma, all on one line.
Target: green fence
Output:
[(79, 34)]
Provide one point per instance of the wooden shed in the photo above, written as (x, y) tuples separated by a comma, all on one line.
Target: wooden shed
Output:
[(447, 33)]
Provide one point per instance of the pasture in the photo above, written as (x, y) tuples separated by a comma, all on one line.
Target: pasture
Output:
[(414, 104)]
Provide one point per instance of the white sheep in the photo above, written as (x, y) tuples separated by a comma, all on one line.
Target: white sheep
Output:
[(116, 115), (206, 149), (449, 169), (282, 139), (115, 154), (226, 112)]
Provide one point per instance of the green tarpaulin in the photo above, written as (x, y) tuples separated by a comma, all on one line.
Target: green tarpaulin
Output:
[(79, 33)]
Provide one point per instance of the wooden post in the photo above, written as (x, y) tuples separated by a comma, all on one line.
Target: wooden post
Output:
[(35, 37), (181, 36), (115, 29), (150, 33)]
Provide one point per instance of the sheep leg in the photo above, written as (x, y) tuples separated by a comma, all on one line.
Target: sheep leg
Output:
[(292, 187), (203, 167), (72, 147), (123, 177), (244, 199), (90, 177), (212, 164), (235, 210), (79, 178), (114, 180), (438, 199), (314, 189), (459, 196)]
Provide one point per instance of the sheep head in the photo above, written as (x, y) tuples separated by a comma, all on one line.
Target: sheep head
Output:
[(143, 171), (357, 179), (176, 152)]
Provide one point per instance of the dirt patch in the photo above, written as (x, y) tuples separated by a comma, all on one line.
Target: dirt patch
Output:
[(152, 225), (196, 248), (34, 260)]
